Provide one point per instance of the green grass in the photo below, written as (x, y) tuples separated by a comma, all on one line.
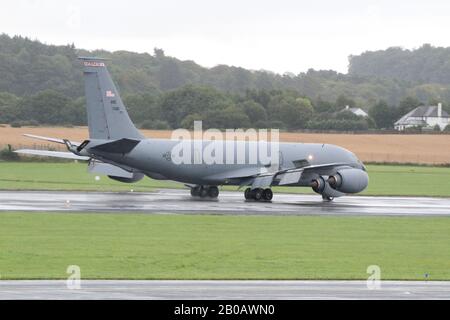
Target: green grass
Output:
[(66, 176), (133, 246), (408, 180), (384, 180)]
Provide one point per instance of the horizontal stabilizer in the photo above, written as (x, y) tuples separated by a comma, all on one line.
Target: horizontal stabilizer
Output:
[(54, 154), (55, 140), (119, 146)]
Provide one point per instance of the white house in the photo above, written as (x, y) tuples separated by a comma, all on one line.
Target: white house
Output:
[(424, 116), (357, 111)]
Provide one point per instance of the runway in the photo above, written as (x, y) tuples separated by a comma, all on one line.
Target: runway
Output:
[(222, 290), (229, 203)]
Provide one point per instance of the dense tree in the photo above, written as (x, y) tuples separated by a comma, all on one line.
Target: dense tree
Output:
[(254, 111), (142, 107), (344, 101), (28, 67), (293, 112), (74, 113), (343, 120), (42, 83), (406, 105), (259, 96), (383, 115), (178, 104), (346, 115), (159, 53), (170, 75), (46, 107), (323, 106), (231, 117), (8, 99), (425, 65), (338, 124), (9, 110)]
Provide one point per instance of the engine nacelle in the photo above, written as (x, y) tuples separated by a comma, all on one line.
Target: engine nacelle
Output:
[(349, 180), (321, 186), (137, 176)]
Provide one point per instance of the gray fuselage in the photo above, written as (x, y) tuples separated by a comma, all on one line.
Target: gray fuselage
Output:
[(153, 157)]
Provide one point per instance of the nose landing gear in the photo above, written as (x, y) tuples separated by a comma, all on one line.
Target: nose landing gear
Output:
[(258, 194)]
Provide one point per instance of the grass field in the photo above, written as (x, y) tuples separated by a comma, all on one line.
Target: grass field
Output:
[(384, 180), (132, 246), (66, 176)]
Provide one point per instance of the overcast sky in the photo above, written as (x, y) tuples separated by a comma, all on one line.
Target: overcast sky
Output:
[(282, 35)]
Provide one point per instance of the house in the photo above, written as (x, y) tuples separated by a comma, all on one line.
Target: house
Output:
[(424, 116), (356, 111)]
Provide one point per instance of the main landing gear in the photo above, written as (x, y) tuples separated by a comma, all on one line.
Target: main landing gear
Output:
[(205, 192), (258, 194)]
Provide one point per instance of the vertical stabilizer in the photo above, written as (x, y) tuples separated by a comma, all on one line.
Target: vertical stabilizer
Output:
[(107, 115)]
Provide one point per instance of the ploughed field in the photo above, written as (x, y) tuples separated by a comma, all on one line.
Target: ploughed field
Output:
[(381, 148)]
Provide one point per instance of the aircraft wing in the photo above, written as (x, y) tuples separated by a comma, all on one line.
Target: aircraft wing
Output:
[(55, 140), (55, 154), (314, 168), (285, 177), (292, 176)]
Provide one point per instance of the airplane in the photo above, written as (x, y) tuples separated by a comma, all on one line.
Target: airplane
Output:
[(117, 149)]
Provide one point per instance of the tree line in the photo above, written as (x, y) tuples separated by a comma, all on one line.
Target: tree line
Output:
[(425, 65), (179, 108), (42, 84), (28, 67)]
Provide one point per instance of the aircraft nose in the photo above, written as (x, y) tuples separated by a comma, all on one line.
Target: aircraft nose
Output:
[(349, 157), (360, 165)]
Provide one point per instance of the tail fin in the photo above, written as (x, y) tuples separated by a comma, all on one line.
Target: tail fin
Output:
[(107, 115)]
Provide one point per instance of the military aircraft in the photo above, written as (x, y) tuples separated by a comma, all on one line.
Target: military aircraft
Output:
[(117, 149)]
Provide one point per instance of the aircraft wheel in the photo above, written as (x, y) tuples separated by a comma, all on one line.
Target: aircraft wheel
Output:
[(203, 192), (195, 191), (268, 194), (258, 194), (213, 192), (248, 194)]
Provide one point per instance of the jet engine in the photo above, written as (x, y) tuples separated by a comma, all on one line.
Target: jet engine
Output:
[(321, 186), (135, 178), (349, 180)]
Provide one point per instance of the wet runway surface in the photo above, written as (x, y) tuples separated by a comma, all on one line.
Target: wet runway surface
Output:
[(180, 201), (226, 290)]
